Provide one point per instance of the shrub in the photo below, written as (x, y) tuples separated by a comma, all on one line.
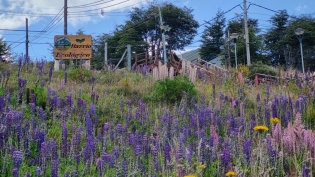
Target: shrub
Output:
[(261, 68), (79, 74), (172, 90)]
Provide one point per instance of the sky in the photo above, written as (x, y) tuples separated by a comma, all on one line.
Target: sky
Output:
[(47, 15)]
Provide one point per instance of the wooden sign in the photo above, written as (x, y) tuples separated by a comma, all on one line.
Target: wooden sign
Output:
[(73, 47)]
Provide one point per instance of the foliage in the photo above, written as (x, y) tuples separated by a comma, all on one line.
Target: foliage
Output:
[(244, 69), (274, 37), (261, 68), (80, 75), (41, 96), (173, 90), (4, 49), (142, 33), (256, 42), (212, 38)]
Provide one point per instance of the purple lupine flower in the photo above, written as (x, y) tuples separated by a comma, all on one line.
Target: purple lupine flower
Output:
[(116, 151), (287, 118), (247, 150), (106, 127), (87, 153), (27, 174), (42, 114), (122, 105), (89, 125), (50, 72), (62, 84), (64, 139), (55, 168), (100, 166), (93, 94), (189, 153), (93, 114), (156, 164), (66, 77), (43, 83), (106, 157), (225, 158), (17, 159), (132, 139), (179, 154), (154, 151), (138, 149), (43, 150), (77, 159), (306, 171), (112, 134), (38, 171), (92, 79), (274, 109), (90, 140), (53, 148), (119, 128), (15, 172), (124, 168), (74, 173)]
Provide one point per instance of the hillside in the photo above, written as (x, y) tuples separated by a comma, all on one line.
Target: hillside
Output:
[(76, 122)]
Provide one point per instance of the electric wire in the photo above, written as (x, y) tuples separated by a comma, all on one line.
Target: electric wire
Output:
[(91, 4), (102, 7)]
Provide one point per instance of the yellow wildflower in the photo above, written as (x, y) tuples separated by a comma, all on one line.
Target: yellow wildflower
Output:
[(261, 128), (275, 120), (202, 166), (190, 176), (230, 173)]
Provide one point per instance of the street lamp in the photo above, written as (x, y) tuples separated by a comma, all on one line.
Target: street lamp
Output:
[(299, 34), (235, 36)]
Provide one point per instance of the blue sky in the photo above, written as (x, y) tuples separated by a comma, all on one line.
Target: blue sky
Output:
[(41, 13)]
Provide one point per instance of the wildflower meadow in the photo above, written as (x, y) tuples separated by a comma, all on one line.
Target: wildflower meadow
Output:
[(77, 122)]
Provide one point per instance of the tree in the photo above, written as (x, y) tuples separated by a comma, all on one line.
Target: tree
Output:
[(4, 50), (142, 31), (307, 22), (274, 38), (255, 41), (212, 38)]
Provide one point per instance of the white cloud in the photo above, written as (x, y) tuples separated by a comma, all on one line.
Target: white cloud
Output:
[(186, 3), (301, 8), (14, 12)]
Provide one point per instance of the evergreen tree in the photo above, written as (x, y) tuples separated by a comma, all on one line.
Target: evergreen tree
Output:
[(274, 38), (4, 50), (212, 38)]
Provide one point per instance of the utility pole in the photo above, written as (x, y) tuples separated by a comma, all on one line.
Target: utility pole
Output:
[(105, 54), (229, 51), (163, 36), (26, 43), (246, 33), (65, 17)]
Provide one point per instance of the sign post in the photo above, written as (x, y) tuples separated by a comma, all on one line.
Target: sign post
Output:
[(73, 47)]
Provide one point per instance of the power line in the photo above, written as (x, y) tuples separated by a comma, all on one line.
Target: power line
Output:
[(91, 4), (238, 5), (101, 7), (24, 42), (21, 30), (50, 25)]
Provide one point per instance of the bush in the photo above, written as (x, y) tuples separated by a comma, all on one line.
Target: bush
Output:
[(172, 90), (261, 68), (79, 74)]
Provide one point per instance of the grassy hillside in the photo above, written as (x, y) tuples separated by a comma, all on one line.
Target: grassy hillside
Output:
[(77, 122)]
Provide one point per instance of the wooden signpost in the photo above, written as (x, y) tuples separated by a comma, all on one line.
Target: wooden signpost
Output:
[(75, 47)]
